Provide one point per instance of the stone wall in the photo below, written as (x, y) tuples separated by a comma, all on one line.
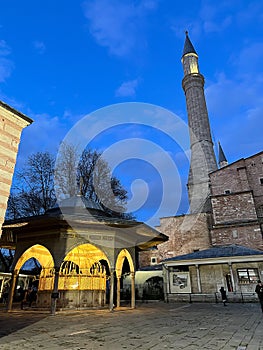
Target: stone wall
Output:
[(246, 235), (254, 167), (11, 126), (233, 208), (237, 203), (241, 176), (187, 233)]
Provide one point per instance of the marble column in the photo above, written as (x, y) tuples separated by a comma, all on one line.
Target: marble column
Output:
[(118, 291), (54, 294), (111, 304), (198, 278), (14, 277), (133, 290)]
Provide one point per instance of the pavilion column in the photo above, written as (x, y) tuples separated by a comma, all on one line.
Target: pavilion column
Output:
[(14, 277), (118, 291), (198, 278), (232, 276), (54, 295), (165, 282), (111, 304), (133, 290)]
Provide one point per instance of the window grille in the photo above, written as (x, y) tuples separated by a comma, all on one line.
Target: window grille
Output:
[(247, 275)]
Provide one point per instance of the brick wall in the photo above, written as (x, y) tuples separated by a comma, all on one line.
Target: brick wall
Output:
[(234, 207), (246, 235), (11, 126), (186, 233), (241, 176), (254, 166), (236, 215)]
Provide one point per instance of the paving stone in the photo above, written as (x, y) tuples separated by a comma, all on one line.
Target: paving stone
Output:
[(152, 326)]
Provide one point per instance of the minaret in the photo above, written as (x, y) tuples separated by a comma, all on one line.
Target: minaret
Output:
[(222, 161), (203, 160)]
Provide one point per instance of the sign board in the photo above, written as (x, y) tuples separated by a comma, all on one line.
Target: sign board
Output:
[(180, 282)]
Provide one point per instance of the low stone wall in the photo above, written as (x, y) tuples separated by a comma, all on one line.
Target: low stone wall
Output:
[(72, 299), (212, 297)]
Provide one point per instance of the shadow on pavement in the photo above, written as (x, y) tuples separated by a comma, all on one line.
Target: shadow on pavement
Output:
[(11, 322)]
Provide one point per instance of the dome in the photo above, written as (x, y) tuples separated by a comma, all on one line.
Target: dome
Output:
[(79, 202), (77, 205)]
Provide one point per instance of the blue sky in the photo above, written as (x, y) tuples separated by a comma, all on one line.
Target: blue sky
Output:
[(61, 60)]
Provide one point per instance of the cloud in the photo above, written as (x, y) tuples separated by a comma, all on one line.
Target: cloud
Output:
[(251, 13), (241, 97), (118, 24), (6, 65), (127, 89), (207, 19), (40, 47), (215, 18), (248, 61)]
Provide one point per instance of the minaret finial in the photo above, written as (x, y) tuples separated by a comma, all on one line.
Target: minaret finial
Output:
[(186, 32)]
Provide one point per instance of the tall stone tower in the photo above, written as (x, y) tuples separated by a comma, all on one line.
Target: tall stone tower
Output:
[(203, 160)]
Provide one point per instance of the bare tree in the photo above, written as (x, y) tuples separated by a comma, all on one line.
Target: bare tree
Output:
[(66, 171), (90, 175), (98, 183), (33, 192), (6, 259)]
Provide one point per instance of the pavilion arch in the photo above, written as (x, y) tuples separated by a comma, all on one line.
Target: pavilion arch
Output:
[(124, 253), (85, 255), (41, 253), (38, 251), (79, 280)]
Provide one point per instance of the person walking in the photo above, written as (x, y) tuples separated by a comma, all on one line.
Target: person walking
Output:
[(223, 295), (5, 294), (259, 291)]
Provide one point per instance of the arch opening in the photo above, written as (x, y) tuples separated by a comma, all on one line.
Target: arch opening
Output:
[(81, 278)]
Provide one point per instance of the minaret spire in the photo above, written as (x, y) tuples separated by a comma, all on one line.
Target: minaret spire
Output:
[(203, 160), (188, 46), (222, 161)]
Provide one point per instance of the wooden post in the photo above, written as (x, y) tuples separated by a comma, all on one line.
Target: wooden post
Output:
[(12, 289)]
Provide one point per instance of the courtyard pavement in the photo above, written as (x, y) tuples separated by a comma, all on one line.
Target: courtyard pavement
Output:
[(155, 326)]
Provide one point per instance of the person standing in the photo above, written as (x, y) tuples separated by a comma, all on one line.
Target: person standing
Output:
[(259, 291), (223, 295)]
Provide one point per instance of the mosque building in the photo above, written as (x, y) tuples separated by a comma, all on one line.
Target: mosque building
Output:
[(225, 221)]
